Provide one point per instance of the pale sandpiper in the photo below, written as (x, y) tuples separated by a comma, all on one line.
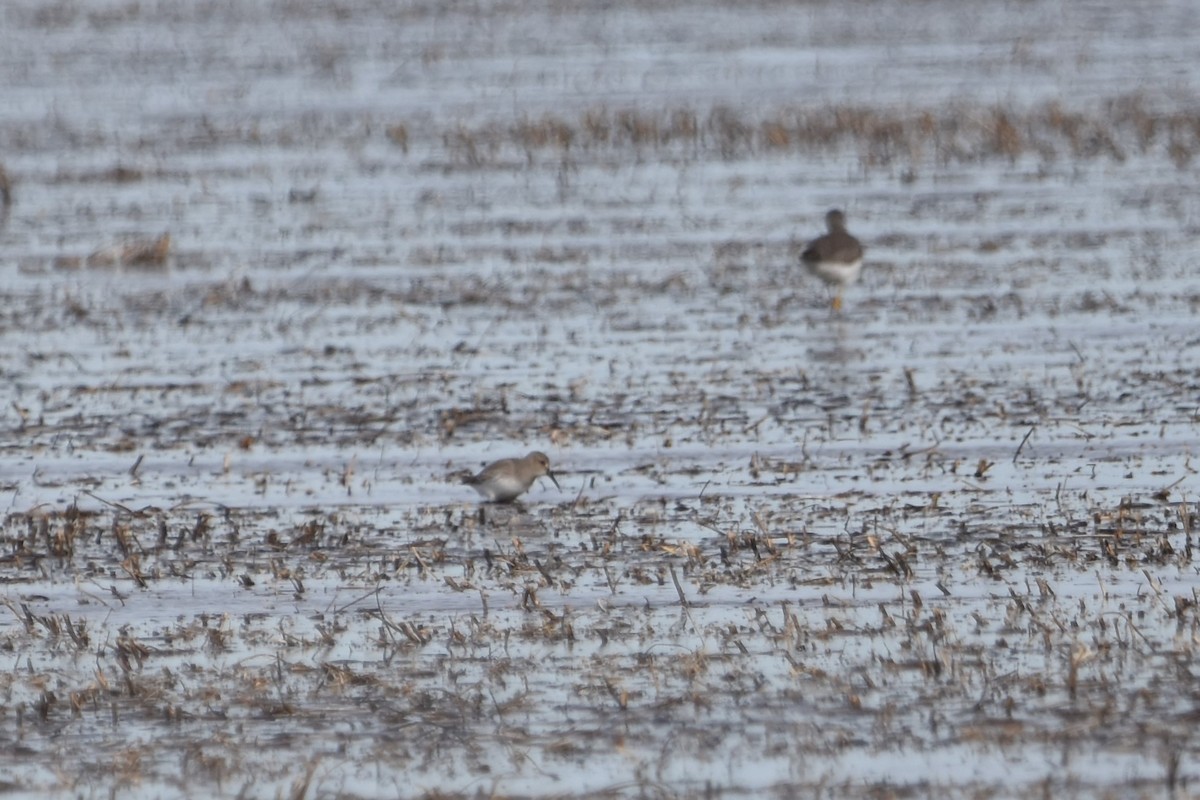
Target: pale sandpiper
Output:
[(505, 480)]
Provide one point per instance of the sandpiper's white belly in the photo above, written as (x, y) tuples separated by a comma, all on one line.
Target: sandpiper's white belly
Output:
[(839, 272), (501, 487)]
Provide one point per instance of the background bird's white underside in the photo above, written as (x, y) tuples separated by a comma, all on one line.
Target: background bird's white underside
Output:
[(839, 272)]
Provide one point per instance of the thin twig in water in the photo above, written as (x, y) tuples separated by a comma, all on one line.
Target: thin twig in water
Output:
[(1024, 439), (683, 601), (612, 585), (388, 625), (358, 600)]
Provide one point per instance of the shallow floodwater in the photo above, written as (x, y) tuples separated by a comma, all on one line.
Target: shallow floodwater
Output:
[(275, 275)]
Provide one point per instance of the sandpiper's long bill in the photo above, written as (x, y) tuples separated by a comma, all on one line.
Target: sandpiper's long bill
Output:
[(507, 479), (835, 257)]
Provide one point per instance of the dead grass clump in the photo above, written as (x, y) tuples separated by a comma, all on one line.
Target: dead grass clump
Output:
[(450, 420), (683, 126), (122, 174), (637, 128), (1068, 125), (141, 253), (729, 131), (597, 127), (889, 138), (58, 532), (1180, 153), (1005, 138), (547, 132), (1183, 132), (131, 654), (857, 122), (398, 135), (472, 148), (1130, 111), (776, 136), (560, 255)]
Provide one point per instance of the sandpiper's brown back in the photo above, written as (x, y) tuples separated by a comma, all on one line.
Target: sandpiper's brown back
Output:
[(835, 247)]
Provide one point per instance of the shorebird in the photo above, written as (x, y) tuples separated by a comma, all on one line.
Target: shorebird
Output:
[(836, 257), (504, 480)]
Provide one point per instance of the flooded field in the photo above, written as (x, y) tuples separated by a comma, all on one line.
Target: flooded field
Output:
[(276, 275)]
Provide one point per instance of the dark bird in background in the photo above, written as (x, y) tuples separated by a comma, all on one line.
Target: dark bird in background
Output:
[(836, 257)]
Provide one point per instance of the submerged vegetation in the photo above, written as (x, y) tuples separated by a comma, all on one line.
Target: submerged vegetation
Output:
[(580, 632), (959, 133)]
